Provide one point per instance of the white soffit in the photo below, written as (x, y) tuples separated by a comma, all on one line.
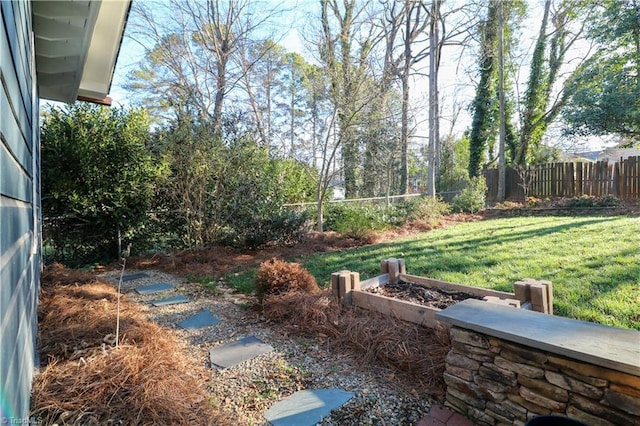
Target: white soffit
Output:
[(103, 49), (77, 44)]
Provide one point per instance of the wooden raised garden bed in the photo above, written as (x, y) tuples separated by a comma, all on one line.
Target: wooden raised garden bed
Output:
[(417, 299)]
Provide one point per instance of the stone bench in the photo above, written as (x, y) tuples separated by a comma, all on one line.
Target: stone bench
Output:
[(508, 365)]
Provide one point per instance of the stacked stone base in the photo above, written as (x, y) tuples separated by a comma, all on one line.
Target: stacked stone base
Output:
[(495, 382)]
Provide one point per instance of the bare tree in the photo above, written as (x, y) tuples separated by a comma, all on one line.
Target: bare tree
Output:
[(195, 46), (403, 24), (263, 63), (346, 42), (415, 30), (434, 121), (169, 79), (329, 149)]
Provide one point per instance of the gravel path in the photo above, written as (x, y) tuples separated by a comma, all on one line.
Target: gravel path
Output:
[(297, 362)]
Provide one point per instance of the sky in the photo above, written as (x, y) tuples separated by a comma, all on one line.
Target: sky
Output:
[(456, 84)]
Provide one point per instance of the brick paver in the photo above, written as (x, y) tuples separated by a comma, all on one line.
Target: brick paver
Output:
[(442, 416)]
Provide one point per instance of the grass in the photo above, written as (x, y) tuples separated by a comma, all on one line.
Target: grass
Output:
[(242, 281), (593, 261), (207, 282)]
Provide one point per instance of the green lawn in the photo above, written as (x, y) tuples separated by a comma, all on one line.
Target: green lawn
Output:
[(594, 261)]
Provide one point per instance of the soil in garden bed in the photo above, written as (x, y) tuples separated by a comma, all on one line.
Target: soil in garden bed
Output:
[(416, 293)]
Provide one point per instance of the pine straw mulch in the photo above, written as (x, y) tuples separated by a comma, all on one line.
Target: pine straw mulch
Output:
[(219, 260), (415, 352), (145, 380), (215, 261)]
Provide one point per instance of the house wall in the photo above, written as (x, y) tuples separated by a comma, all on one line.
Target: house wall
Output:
[(20, 257)]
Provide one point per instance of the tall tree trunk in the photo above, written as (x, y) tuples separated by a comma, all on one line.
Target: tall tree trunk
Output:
[(535, 103), (484, 102), (434, 126), (269, 129), (636, 37), (314, 133), (404, 132), (221, 86), (258, 117), (292, 111), (502, 145), (319, 215)]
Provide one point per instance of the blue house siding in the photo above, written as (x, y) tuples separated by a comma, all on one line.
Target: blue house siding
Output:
[(20, 257)]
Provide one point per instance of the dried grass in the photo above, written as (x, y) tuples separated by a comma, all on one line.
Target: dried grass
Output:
[(277, 276), (146, 380), (58, 274), (218, 260), (74, 318), (414, 351)]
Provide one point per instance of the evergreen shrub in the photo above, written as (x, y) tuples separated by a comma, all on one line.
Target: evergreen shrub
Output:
[(472, 198)]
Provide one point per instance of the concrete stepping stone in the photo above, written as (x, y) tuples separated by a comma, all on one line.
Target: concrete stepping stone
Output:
[(200, 320), (136, 276), (306, 407), (241, 350), (154, 288), (170, 301)]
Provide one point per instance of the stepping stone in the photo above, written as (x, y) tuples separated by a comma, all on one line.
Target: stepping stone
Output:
[(135, 276), (306, 407), (234, 353), (170, 301), (201, 320), (154, 288)]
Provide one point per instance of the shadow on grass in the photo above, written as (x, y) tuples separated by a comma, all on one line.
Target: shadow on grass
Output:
[(456, 253), (585, 257), (494, 238)]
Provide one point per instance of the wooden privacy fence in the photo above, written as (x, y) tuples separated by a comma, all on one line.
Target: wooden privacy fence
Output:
[(620, 179)]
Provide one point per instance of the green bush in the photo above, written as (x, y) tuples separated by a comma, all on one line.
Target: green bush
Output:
[(472, 198), (230, 190), (281, 228), (248, 193), (358, 221), (428, 212), (98, 178), (591, 201)]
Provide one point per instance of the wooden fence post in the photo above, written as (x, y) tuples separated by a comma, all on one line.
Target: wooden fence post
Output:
[(548, 286), (402, 267)]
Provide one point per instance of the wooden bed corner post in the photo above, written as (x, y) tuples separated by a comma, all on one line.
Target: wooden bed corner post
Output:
[(538, 293), (342, 283), (394, 267), (402, 267)]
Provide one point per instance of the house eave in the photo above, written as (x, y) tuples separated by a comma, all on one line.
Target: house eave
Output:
[(77, 44)]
